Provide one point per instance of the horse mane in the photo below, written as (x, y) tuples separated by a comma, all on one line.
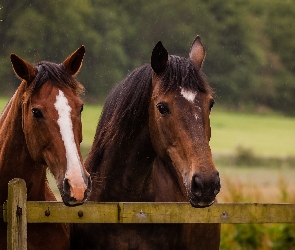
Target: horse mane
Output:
[(182, 72), (57, 75), (126, 109)]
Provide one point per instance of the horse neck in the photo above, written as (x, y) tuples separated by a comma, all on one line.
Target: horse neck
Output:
[(124, 171), (15, 159)]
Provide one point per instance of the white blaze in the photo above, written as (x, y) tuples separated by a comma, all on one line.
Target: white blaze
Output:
[(74, 172), (189, 95)]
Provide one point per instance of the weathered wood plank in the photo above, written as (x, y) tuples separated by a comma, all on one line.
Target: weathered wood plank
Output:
[(48, 212), (161, 213), (226, 213), (16, 215)]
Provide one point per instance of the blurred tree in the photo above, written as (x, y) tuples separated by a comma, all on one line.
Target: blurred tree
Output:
[(280, 30), (40, 31)]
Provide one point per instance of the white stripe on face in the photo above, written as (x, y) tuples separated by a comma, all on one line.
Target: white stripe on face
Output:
[(74, 172), (188, 95)]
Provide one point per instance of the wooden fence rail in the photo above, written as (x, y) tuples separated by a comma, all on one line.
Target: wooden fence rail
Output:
[(17, 212)]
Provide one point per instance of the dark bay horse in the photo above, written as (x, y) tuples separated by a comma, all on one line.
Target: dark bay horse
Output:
[(152, 145), (41, 128)]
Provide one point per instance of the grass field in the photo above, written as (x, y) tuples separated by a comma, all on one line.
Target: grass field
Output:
[(90, 119), (270, 135)]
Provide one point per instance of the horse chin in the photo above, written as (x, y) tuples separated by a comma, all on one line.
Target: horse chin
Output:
[(200, 204)]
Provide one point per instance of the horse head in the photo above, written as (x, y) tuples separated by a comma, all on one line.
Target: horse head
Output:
[(179, 122), (51, 122)]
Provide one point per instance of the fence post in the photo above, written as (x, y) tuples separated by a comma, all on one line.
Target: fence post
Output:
[(17, 215)]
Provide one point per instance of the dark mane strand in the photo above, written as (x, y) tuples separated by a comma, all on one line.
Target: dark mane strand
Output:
[(127, 104), (57, 74)]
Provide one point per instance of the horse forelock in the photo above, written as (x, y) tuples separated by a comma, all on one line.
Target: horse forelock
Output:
[(57, 75), (183, 73)]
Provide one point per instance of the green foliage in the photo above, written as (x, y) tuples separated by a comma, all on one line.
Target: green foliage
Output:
[(283, 236), (242, 236)]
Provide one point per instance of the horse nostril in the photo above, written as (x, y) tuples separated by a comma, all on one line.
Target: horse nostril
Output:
[(217, 183), (216, 191), (66, 187), (197, 185), (202, 187)]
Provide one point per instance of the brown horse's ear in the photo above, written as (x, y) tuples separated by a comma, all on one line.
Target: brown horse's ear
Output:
[(197, 53), (74, 62), (23, 69), (159, 58)]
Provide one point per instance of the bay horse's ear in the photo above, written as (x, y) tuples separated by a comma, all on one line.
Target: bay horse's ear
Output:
[(23, 69), (159, 58), (197, 53), (74, 62)]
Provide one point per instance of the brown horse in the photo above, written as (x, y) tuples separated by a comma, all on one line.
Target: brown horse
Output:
[(41, 127), (152, 145)]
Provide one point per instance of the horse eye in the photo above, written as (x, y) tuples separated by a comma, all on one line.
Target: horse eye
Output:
[(211, 104), (37, 113), (162, 107), (81, 109)]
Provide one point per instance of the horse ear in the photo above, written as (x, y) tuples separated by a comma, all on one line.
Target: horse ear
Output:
[(74, 62), (197, 53), (22, 69), (159, 58)]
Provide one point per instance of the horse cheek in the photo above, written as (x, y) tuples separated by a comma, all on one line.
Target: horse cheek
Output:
[(35, 136), (157, 135)]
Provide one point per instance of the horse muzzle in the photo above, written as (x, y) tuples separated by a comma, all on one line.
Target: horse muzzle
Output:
[(203, 191), (75, 196)]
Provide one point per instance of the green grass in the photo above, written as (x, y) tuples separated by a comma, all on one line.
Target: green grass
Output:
[(265, 135), (90, 117)]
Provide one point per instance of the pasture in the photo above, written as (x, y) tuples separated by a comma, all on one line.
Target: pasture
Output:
[(266, 135)]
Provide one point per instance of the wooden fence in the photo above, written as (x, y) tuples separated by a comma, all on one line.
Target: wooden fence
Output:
[(17, 212)]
